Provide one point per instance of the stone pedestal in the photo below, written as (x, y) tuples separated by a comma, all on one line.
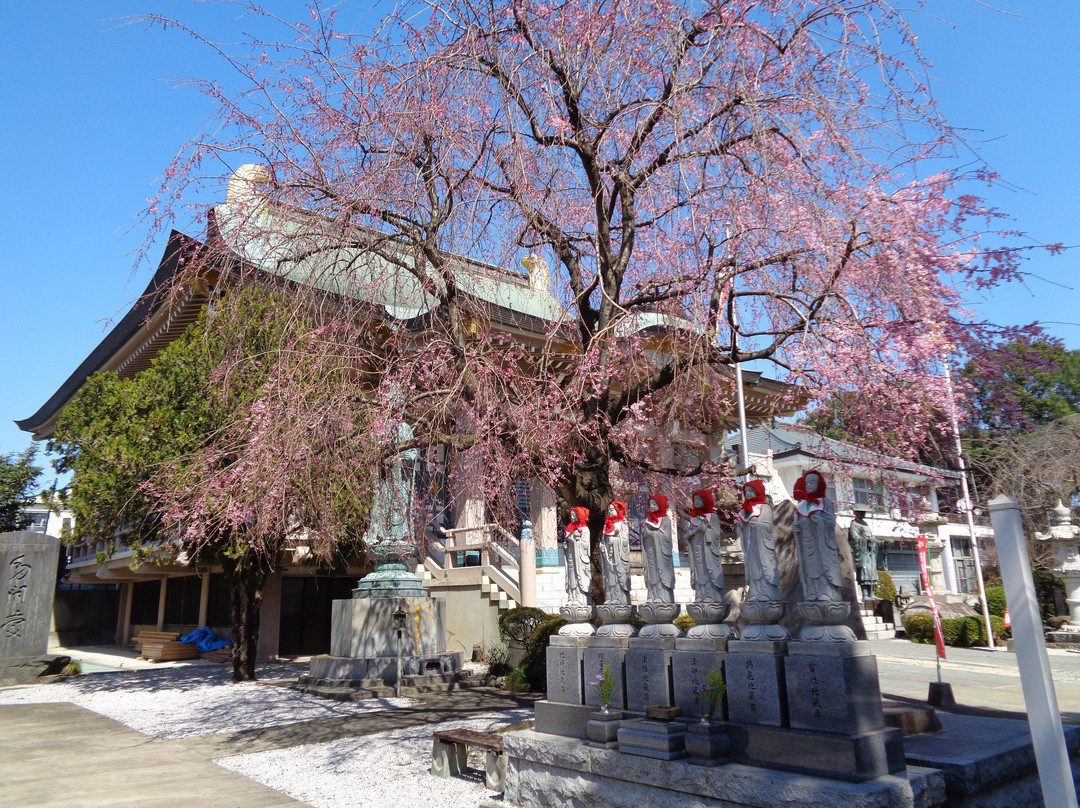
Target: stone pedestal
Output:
[(826, 622), (603, 651), (709, 621), (762, 617), (756, 688), (659, 617), (707, 744), (691, 662), (648, 673), (833, 687), (577, 617), (363, 641), (602, 728), (662, 740), (616, 620), (565, 669)]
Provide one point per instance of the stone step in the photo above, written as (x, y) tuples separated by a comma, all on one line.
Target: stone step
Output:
[(337, 690), (881, 634)]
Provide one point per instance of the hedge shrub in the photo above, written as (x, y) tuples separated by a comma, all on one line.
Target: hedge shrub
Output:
[(995, 600), (518, 624), (959, 632), (535, 662), (885, 589)]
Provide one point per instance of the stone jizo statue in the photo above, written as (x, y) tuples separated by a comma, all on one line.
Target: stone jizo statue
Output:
[(754, 523), (864, 549), (578, 568), (814, 532), (705, 542), (657, 552), (615, 554)]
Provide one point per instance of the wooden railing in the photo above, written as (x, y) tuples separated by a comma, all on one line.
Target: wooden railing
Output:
[(504, 558)]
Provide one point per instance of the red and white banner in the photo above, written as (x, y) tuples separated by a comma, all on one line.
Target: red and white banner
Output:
[(1008, 620), (924, 573)]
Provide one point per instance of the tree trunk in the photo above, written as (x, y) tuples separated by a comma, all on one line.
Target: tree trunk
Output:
[(245, 595), (589, 486)]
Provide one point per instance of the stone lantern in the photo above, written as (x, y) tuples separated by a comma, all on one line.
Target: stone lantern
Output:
[(1064, 539)]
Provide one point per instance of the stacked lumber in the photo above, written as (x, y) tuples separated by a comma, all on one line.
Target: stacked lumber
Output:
[(144, 637), (168, 651)]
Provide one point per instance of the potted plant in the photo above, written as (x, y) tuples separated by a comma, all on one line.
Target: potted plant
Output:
[(603, 725), (707, 741)]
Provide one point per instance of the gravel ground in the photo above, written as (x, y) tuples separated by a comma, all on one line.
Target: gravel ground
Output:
[(383, 769)]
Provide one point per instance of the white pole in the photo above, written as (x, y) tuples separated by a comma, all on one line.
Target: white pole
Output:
[(744, 453), (1044, 718), (968, 508)]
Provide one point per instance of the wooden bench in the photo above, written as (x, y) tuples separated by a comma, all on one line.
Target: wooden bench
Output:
[(450, 755), (144, 637), (169, 651)]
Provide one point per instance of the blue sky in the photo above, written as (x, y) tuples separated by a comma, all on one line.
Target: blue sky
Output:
[(91, 118)]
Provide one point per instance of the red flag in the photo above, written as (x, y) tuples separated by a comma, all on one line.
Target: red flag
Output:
[(924, 573)]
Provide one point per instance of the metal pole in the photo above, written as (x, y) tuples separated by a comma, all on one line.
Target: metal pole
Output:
[(1044, 718), (744, 453), (968, 508)]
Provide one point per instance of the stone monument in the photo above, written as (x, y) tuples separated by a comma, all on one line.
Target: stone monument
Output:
[(28, 570), (757, 694), (864, 549), (363, 637), (577, 612)]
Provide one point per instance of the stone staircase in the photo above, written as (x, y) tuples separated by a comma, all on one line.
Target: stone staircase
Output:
[(489, 589), (876, 628)]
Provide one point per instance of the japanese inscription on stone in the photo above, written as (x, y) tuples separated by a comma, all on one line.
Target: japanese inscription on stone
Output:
[(14, 623)]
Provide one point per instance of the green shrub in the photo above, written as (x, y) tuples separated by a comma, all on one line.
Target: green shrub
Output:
[(1001, 632), (995, 600), (885, 589), (959, 632), (518, 624), (1045, 584), (498, 659), (73, 668), (517, 681), (919, 628), (535, 662), (684, 622)]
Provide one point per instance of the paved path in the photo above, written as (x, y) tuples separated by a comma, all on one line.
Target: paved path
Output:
[(60, 754), (987, 680)]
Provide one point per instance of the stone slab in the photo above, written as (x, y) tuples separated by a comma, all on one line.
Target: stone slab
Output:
[(603, 651), (364, 627), (756, 690), (550, 772), (774, 647), (648, 674), (836, 694), (662, 740), (27, 583), (689, 669), (855, 758), (566, 720), (565, 671), (976, 753)]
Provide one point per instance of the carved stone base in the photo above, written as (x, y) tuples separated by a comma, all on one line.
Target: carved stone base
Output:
[(762, 617), (577, 617), (709, 621), (659, 615), (825, 620), (616, 617)]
